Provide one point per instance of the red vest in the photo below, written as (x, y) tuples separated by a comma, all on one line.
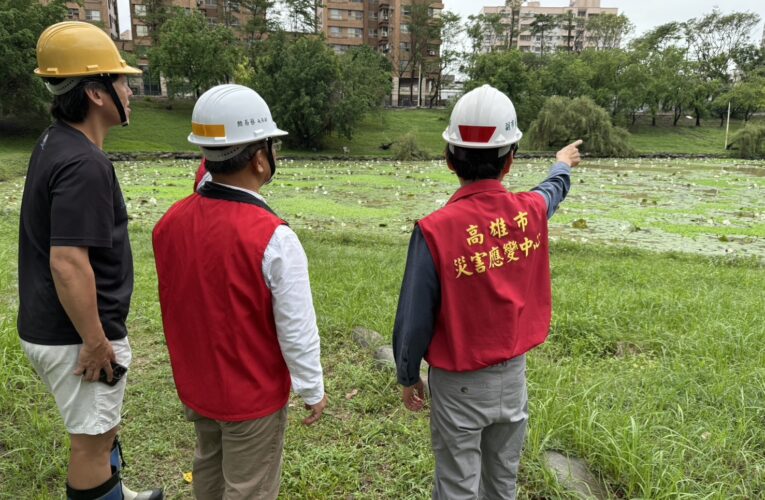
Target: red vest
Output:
[(216, 308), (491, 254), (201, 171)]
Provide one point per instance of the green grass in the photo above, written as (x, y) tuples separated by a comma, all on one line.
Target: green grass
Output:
[(654, 372), (158, 126)]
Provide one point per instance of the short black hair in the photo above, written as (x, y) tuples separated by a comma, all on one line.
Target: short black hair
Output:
[(477, 164), (74, 105), (236, 163)]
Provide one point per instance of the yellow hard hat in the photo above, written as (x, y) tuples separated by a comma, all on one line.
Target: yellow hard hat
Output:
[(73, 48)]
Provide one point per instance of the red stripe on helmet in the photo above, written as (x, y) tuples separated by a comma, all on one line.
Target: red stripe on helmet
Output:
[(471, 133)]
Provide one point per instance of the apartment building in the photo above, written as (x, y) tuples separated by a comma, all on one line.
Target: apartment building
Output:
[(216, 11), (384, 26), (569, 33), (102, 13)]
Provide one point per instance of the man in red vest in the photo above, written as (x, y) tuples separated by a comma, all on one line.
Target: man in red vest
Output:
[(236, 303), (475, 298)]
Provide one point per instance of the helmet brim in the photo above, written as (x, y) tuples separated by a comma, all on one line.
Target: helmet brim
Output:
[(126, 70), (221, 141), (454, 141)]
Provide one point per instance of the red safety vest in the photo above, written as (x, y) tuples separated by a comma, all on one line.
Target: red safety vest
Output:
[(216, 308), (201, 171), (491, 254)]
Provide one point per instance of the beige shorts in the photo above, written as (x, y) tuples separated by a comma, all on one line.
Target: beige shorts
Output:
[(86, 407)]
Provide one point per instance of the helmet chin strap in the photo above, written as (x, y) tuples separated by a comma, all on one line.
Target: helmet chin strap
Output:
[(107, 81), (271, 160)]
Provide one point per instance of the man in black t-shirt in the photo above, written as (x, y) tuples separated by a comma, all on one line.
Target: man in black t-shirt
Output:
[(75, 264)]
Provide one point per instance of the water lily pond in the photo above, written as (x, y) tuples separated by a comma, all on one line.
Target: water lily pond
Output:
[(709, 207)]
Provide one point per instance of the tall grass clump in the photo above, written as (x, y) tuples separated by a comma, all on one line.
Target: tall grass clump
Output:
[(750, 142), (564, 120), (407, 149)]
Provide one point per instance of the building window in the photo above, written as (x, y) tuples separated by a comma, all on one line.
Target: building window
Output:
[(140, 10), (355, 32), (406, 10), (372, 15), (93, 15), (405, 46), (335, 14), (73, 14), (340, 49), (356, 14), (211, 2), (141, 30), (404, 28), (335, 32)]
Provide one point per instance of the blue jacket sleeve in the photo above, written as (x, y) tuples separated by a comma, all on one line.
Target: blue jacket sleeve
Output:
[(555, 187), (418, 305)]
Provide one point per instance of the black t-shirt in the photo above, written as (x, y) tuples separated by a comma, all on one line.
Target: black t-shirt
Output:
[(72, 198)]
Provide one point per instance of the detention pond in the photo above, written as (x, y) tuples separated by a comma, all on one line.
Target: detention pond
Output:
[(709, 207)]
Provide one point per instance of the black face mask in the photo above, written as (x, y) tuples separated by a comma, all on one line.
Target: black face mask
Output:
[(271, 160)]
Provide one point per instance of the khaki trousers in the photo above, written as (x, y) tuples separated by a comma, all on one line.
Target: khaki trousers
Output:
[(238, 460)]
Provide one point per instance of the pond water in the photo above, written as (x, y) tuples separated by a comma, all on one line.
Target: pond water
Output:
[(709, 207)]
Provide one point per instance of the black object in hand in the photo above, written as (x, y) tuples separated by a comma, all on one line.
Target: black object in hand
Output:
[(118, 371)]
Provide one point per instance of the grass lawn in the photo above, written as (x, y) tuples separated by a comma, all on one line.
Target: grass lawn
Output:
[(163, 127), (654, 372)]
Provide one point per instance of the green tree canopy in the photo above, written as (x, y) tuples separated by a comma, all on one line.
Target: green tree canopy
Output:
[(363, 84), (297, 79), (562, 121), (194, 55), (21, 22)]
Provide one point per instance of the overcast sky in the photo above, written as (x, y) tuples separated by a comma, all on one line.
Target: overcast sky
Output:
[(645, 14)]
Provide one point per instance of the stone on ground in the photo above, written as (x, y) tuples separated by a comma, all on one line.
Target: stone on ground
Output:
[(384, 357), (368, 339), (573, 474)]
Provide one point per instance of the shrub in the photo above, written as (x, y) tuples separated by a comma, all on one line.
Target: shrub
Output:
[(749, 142), (562, 121), (406, 149)]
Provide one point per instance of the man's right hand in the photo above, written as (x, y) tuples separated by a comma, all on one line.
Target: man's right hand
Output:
[(316, 411), (93, 358), (570, 154)]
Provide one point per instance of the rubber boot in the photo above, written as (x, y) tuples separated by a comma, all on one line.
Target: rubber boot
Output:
[(117, 464), (110, 490)]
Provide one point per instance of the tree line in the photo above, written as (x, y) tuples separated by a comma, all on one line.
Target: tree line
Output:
[(698, 67), (694, 68)]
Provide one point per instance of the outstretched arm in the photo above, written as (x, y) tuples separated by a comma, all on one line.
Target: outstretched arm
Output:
[(555, 188)]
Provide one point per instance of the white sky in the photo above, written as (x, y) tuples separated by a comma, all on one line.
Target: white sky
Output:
[(645, 14)]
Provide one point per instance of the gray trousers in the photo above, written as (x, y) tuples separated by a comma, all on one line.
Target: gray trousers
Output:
[(478, 426)]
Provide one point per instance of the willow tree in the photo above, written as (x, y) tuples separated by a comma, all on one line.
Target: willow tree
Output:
[(563, 121)]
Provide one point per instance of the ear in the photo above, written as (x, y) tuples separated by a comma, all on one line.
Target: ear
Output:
[(448, 163), (96, 96), (508, 164), (259, 164)]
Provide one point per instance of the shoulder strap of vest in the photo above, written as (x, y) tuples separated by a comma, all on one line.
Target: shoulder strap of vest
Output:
[(218, 192)]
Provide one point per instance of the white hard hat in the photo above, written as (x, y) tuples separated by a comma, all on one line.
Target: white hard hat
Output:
[(483, 118), (230, 115)]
